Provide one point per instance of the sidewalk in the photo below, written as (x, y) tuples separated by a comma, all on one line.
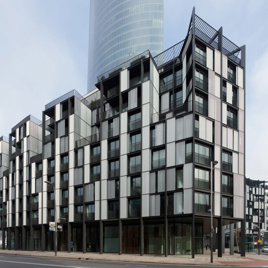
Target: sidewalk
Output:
[(251, 259)]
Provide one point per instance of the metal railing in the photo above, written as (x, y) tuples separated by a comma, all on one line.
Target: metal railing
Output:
[(202, 159), (201, 108), (134, 124), (114, 153), (135, 147), (226, 166), (135, 169), (200, 58)]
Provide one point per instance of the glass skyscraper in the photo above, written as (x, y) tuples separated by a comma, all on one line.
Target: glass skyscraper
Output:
[(120, 30)]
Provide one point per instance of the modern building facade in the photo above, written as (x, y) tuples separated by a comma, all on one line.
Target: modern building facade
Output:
[(120, 30), (131, 160)]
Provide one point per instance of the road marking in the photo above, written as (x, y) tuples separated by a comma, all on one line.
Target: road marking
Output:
[(43, 264)]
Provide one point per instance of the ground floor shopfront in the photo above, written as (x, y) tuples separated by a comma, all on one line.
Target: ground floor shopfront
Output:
[(181, 236)]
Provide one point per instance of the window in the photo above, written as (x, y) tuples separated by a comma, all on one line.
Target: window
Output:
[(64, 144), (64, 180), (202, 154), (135, 142), (231, 71), (202, 178), (227, 161), (79, 191), (90, 212), (65, 194), (159, 159), (64, 161), (114, 169), (153, 137), (179, 178), (231, 117), (95, 154), (95, 173), (79, 157), (51, 163), (227, 184), (79, 194), (200, 54), (134, 208), (35, 199), (201, 104), (201, 80), (178, 77), (39, 167), (166, 83), (113, 149), (196, 126), (51, 212), (202, 203), (227, 206), (135, 164), (113, 209), (188, 152), (234, 96), (224, 91), (134, 121), (135, 186), (110, 129), (178, 99), (51, 196)]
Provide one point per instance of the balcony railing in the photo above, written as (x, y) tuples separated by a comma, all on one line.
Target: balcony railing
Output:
[(134, 124), (227, 212), (64, 201), (95, 158), (231, 122), (90, 216), (34, 221), (114, 214), (202, 184), (35, 205), (78, 217), (202, 159), (135, 169), (50, 203), (64, 184), (114, 153), (226, 166), (231, 77), (165, 86), (227, 189), (79, 199), (114, 173), (95, 177), (113, 92), (200, 58), (111, 113), (201, 108), (202, 84), (160, 163), (202, 208), (135, 147)]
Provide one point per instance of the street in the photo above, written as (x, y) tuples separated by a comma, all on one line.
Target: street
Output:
[(18, 261)]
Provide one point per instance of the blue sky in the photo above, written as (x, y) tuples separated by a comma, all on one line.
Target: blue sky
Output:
[(44, 54)]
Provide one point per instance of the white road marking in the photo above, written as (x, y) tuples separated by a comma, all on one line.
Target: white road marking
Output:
[(43, 264)]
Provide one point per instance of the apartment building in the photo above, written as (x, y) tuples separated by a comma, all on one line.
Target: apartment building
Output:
[(131, 162)]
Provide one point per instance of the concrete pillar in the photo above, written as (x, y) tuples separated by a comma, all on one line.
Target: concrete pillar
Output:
[(84, 237), (223, 240)]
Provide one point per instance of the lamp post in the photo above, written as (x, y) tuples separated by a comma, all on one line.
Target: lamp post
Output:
[(56, 225), (212, 164)]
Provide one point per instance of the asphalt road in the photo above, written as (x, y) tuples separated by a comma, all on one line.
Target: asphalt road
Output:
[(17, 261)]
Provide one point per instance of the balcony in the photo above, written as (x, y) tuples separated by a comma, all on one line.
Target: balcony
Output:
[(111, 112), (114, 153), (113, 214), (50, 170), (165, 86), (49, 137), (202, 159), (113, 92), (202, 208), (231, 77), (64, 166), (38, 173), (134, 124), (114, 173), (34, 206)]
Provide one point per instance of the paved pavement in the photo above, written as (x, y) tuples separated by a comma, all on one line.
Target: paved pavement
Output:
[(251, 259)]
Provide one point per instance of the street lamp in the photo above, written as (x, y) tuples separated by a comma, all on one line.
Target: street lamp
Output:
[(212, 164), (56, 225)]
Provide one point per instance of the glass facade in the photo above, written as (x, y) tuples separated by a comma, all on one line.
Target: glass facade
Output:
[(120, 30)]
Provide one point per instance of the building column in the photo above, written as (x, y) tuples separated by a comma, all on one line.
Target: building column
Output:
[(220, 237), (4, 239), (16, 239), (9, 239), (243, 238), (84, 237), (69, 237), (43, 236), (23, 238), (193, 236), (120, 236), (101, 237), (141, 237), (223, 240), (232, 239), (31, 246)]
